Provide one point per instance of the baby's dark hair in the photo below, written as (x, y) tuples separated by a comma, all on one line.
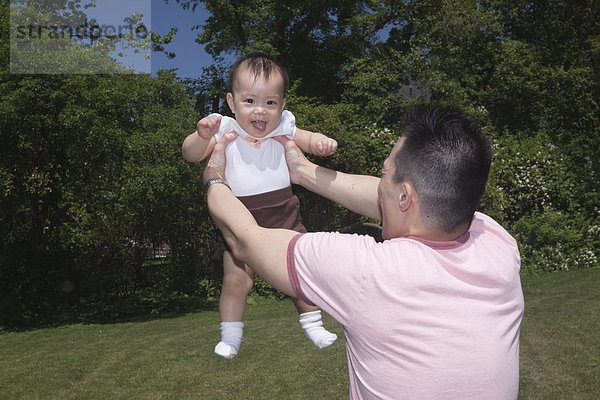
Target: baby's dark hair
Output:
[(260, 65)]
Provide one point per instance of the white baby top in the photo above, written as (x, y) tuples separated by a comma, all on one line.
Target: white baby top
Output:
[(254, 165)]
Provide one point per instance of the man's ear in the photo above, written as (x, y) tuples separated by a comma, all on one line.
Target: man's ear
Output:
[(230, 102), (406, 196)]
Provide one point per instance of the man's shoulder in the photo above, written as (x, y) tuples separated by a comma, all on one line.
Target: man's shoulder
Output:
[(351, 248), (483, 223), (486, 229), (337, 240)]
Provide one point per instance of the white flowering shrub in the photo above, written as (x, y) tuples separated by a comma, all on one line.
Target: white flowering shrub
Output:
[(384, 134), (586, 258), (529, 175), (556, 241), (533, 192)]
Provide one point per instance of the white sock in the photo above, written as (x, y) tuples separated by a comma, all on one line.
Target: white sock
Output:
[(231, 339), (313, 329)]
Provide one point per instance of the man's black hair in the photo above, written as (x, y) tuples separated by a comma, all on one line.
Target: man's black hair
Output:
[(447, 158)]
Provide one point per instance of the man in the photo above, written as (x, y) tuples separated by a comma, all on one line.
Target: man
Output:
[(433, 312)]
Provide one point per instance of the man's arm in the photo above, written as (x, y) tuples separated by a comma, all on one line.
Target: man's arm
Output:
[(264, 249), (357, 193)]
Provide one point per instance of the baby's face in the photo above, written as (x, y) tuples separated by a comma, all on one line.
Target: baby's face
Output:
[(257, 103)]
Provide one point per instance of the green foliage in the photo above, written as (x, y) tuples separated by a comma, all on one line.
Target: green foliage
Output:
[(539, 108), (210, 90), (94, 187), (57, 37), (100, 216), (556, 241), (363, 144), (313, 39), (529, 175)]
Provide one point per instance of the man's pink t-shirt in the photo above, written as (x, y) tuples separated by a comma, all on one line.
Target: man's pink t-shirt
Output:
[(422, 320)]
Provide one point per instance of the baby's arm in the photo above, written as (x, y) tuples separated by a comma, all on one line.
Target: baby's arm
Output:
[(198, 145), (315, 143)]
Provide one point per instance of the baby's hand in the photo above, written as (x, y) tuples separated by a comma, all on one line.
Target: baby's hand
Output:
[(207, 127), (325, 147)]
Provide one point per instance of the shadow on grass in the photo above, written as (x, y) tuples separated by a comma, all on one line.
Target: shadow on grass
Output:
[(123, 310), (67, 304)]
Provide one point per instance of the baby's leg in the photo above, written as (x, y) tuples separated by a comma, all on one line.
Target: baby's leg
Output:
[(238, 279), (312, 324), (237, 282)]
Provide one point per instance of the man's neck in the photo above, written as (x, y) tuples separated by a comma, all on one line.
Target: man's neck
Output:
[(437, 235)]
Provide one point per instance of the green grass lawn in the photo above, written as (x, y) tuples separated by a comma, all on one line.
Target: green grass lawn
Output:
[(560, 336), (173, 358)]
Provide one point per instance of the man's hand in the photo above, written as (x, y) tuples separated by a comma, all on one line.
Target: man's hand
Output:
[(215, 167), (295, 158), (207, 127)]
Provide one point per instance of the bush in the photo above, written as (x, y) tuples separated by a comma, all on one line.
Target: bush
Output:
[(533, 191), (554, 241), (94, 188)]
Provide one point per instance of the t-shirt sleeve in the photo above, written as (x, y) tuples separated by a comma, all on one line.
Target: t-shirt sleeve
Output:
[(288, 122), (227, 125), (327, 270)]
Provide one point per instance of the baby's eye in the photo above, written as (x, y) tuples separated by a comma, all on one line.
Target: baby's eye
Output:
[(249, 101), (271, 102)]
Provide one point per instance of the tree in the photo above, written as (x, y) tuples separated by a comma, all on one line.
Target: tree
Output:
[(489, 59), (314, 39), (99, 214), (58, 37), (93, 187)]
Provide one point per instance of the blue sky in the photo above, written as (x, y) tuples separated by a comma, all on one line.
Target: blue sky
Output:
[(190, 56), (160, 17)]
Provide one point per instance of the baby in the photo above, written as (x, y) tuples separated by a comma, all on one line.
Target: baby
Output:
[(257, 173)]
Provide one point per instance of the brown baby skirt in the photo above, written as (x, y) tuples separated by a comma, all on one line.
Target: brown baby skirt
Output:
[(277, 209)]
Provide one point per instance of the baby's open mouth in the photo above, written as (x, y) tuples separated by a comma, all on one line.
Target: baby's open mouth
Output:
[(259, 125)]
